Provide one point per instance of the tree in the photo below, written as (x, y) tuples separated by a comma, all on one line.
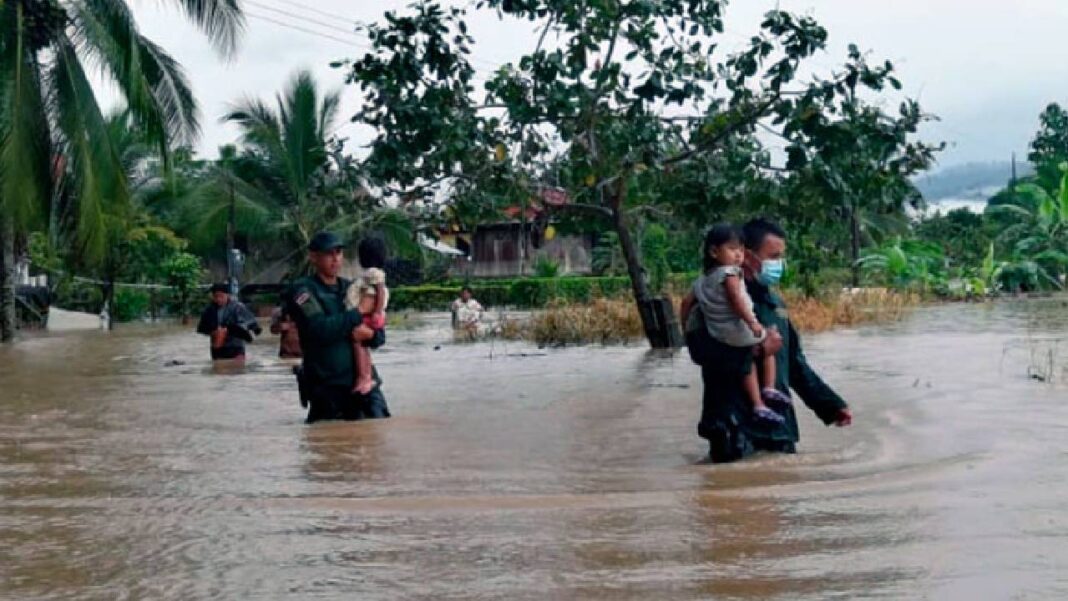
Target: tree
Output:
[(1049, 149), (184, 273), (861, 159), (53, 136), (292, 178), (619, 94), (1038, 237), (291, 141)]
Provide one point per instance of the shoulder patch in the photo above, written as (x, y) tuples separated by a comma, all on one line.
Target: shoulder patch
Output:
[(302, 298)]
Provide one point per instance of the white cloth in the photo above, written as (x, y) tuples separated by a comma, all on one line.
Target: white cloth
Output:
[(365, 286), (466, 313)]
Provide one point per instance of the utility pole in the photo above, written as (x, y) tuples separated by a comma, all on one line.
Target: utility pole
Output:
[(1012, 181), (234, 261)]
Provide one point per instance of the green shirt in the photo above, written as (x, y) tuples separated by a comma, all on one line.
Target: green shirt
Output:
[(325, 328)]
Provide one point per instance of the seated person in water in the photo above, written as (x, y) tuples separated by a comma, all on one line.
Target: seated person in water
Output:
[(728, 316), (466, 311), (368, 295)]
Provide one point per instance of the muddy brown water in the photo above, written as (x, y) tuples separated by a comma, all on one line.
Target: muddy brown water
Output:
[(514, 473)]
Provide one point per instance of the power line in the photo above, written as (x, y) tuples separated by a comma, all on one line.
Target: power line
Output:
[(301, 29), (317, 22), (364, 42), (312, 9)]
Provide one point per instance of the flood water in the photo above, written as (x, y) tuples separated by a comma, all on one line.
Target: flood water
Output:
[(510, 472)]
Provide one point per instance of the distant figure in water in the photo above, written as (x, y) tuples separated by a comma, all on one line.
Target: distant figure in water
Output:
[(228, 323), (283, 325), (466, 312), (728, 315)]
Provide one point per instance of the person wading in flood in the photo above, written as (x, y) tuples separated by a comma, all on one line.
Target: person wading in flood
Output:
[(289, 340), (228, 323), (726, 417), (327, 331)]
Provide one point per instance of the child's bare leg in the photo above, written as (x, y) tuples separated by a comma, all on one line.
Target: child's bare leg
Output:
[(752, 389), (364, 374), (769, 392), (768, 371)]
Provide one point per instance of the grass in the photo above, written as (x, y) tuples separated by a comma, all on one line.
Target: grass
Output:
[(616, 320), (604, 321), (848, 308)]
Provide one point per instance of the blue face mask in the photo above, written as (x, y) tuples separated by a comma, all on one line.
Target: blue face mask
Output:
[(771, 271)]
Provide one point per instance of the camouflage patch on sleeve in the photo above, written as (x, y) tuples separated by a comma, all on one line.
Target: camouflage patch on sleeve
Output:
[(305, 302)]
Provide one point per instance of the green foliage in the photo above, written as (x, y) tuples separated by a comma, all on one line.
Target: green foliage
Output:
[(537, 292), (546, 268), (130, 304), (43, 254), (438, 298), (656, 246), (588, 112), (906, 265), (185, 274), (607, 257), (963, 235), (521, 293), (1049, 148)]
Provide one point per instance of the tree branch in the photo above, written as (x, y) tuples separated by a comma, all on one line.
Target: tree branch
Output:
[(578, 206)]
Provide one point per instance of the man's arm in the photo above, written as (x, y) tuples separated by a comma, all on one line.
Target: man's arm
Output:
[(819, 397), (276, 322), (320, 328)]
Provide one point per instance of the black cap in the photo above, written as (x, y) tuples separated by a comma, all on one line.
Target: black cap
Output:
[(220, 287), (324, 241)]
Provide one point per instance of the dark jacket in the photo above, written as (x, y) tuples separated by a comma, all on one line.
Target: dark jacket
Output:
[(240, 325), (726, 416), (325, 328)]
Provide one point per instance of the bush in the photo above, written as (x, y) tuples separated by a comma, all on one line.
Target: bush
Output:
[(528, 293), (438, 298), (545, 267), (130, 304), (538, 292)]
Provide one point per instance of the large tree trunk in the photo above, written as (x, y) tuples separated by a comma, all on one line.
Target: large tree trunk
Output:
[(7, 280), (657, 315)]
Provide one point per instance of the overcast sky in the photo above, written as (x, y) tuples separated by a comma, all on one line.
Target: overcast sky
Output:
[(986, 67)]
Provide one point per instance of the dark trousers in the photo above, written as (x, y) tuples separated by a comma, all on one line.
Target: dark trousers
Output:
[(340, 402), (227, 352), (726, 412)]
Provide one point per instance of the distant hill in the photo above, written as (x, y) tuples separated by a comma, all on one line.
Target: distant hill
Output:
[(970, 181)]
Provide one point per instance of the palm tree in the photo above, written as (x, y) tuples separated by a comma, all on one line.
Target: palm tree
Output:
[(305, 180), (51, 125), (291, 141)]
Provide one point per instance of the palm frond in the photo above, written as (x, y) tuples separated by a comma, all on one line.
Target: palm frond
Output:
[(154, 85), (94, 164), (222, 21), (25, 150)]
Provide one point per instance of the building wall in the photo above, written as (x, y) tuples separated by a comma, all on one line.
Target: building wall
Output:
[(495, 253)]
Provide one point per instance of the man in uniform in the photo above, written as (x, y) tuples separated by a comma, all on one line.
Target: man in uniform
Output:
[(228, 323), (726, 415), (326, 329)]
